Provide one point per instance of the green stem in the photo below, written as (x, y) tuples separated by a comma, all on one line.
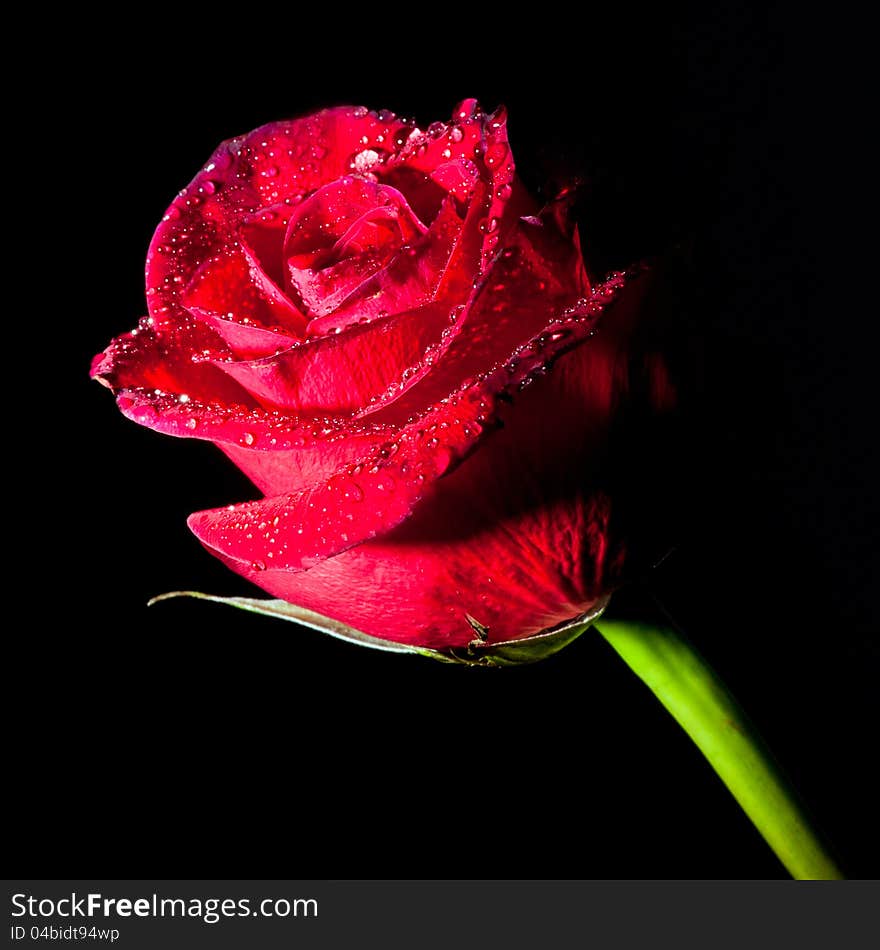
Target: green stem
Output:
[(695, 696)]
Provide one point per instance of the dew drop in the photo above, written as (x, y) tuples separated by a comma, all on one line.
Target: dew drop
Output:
[(247, 438), (365, 160), (258, 565), (387, 483), (495, 154)]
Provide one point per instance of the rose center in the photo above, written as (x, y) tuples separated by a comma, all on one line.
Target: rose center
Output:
[(340, 237)]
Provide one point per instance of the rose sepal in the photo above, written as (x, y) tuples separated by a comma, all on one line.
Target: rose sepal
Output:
[(479, 652)]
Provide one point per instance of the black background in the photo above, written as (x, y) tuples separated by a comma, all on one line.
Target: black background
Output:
[(194, 740)]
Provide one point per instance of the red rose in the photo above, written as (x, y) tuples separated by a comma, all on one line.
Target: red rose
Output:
[(379, 327)]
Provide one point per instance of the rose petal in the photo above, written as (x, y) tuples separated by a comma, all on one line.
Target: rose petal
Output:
[(471, 136), (278, 452), (233, 286), (346, 372), (426, 192), (328, 216), (143, 360), (459, 139), (423, 592), (538, 275), (245, 340)]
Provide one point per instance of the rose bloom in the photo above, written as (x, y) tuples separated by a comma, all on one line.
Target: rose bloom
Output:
[(404, 353)]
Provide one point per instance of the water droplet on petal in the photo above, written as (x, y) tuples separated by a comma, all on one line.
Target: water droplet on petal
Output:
[(495, 154), (365, 160), (354, 492), (385, 483), (258, 565), (247, 438)]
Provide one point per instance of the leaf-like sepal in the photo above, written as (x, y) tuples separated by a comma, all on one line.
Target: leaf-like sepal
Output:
[(479, 652)]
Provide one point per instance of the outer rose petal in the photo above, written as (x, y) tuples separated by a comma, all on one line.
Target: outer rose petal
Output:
[(150, 364), (279, 453), (537, 276)]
